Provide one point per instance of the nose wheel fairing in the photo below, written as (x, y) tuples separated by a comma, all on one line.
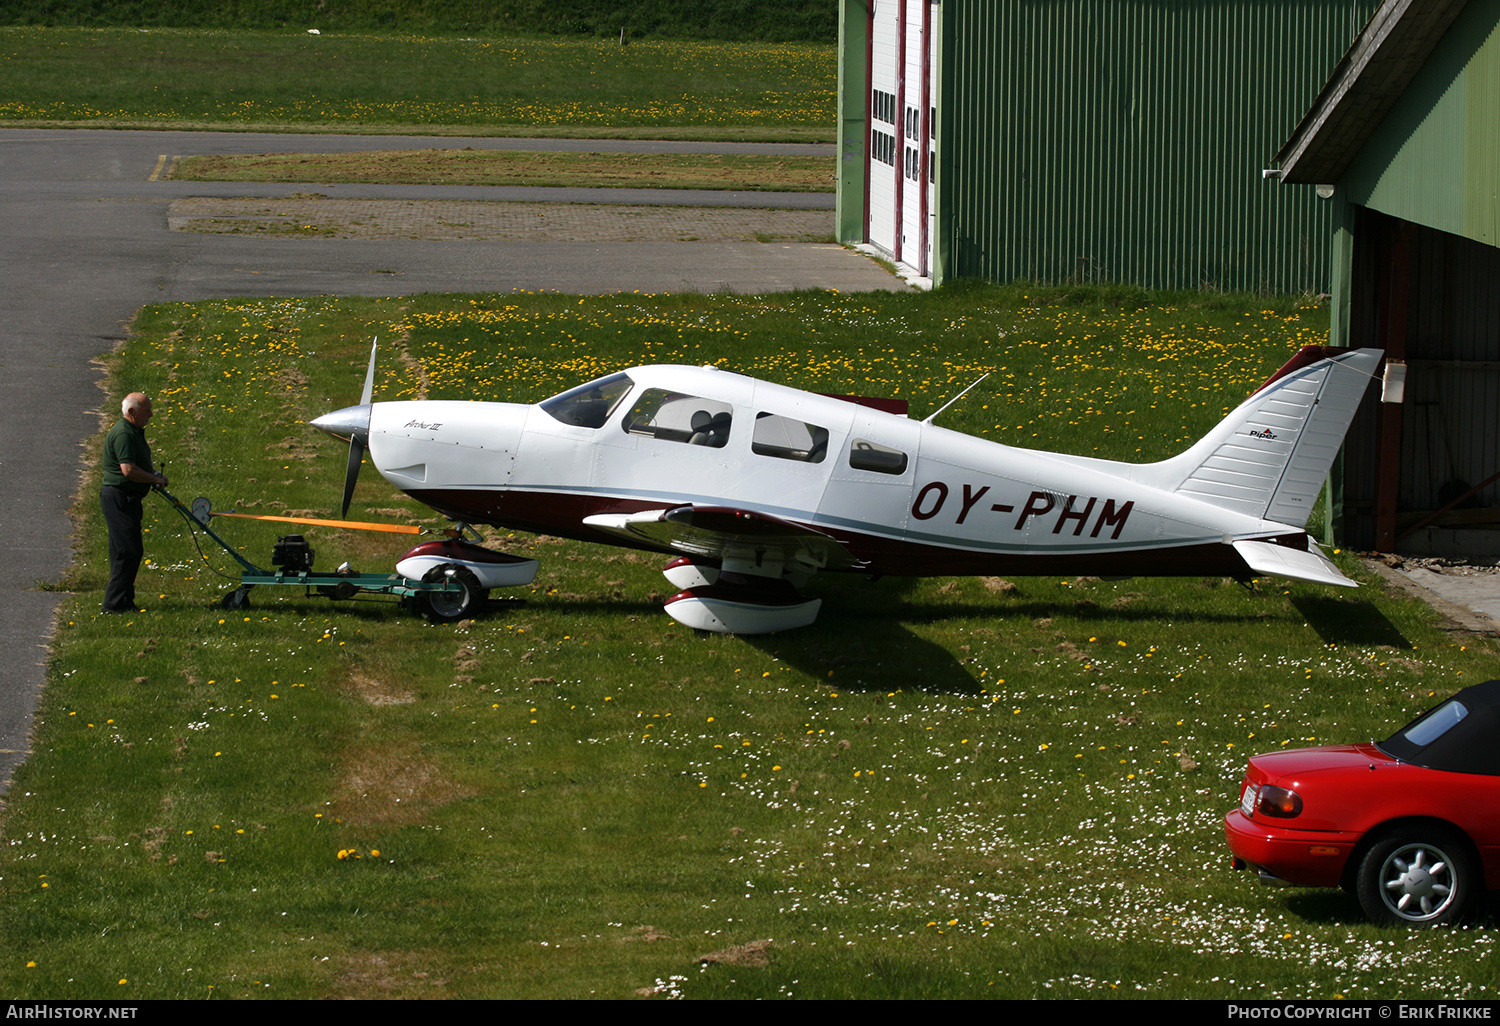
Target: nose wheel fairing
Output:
[(489, 568)]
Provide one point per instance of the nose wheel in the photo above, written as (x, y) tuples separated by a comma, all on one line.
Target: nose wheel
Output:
[(447, 606)]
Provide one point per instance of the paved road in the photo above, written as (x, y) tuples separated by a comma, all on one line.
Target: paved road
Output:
[(86, 242)]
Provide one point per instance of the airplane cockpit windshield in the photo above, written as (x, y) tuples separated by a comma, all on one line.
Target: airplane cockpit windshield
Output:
[(590, 404)]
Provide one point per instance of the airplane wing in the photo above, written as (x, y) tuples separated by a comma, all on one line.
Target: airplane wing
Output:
[(1281, 561), (743, 537)]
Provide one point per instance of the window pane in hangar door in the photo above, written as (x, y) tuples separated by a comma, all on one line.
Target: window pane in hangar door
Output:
[(912, 163), (902, 64), (884, 166)]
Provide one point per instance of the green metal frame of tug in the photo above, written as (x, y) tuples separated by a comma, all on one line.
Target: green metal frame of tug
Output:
[(426, 598)]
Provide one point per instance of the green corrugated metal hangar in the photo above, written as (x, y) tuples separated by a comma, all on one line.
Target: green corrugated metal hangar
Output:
[(1086, 140), (1405, 141), (1124, 141)]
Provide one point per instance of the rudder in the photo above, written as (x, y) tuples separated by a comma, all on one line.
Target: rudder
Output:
[(1270, 456)]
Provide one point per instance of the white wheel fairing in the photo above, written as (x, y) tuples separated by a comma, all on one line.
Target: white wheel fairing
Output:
[(685, 572), (729, 616), (488, 575)]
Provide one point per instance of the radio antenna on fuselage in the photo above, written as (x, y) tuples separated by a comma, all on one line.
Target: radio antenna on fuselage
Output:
[(955, 399)]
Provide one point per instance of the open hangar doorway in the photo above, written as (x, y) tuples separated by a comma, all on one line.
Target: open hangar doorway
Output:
[(1422, 475)]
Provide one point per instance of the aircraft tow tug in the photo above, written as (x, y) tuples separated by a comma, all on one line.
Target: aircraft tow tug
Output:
[(441, 581)]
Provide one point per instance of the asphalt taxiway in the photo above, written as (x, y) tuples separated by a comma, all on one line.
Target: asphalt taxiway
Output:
[(87, 242)]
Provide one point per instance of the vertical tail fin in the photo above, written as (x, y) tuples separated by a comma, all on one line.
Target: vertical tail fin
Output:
[(1269, 457)]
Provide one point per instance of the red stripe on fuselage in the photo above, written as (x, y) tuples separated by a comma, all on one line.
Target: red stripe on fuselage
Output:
[(561, 514)]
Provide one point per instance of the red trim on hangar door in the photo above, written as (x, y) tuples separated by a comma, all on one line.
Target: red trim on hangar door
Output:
[(882, 177), (899, 130), (926, 140), (900, 124), (869, 106)]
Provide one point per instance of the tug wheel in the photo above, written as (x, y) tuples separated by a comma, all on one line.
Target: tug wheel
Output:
[(239, 598), (447, 606)]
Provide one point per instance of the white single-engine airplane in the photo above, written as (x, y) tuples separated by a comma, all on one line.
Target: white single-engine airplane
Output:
[(755, 486)]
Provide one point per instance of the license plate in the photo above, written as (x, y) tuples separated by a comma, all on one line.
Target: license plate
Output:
[(1247, 800)]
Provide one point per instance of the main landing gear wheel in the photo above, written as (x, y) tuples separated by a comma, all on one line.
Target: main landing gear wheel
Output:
[(447, 606), (1417, 878)]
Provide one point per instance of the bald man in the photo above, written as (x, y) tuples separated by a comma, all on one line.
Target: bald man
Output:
[(128, 477)]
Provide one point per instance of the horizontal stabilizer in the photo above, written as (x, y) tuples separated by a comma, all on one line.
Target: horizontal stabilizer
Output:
[(1281, 561)]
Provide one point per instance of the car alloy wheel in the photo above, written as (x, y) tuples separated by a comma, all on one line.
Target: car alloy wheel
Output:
[(1416, 882)]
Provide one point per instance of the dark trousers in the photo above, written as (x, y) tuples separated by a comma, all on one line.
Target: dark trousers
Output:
[(122, 512)]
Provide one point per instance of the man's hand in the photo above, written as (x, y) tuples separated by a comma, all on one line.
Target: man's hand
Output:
[(139, 475)]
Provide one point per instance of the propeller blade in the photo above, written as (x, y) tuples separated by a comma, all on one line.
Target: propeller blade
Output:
[(369, 392), (353, 423), (351, 471)]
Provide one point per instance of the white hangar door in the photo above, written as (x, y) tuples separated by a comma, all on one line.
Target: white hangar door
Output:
[(900, 113)]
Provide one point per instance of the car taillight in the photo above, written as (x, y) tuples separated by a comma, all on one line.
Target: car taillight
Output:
[(1278, 802)]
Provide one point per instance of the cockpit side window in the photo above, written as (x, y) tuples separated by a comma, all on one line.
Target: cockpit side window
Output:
[(788, 439), (873, 456), (678, 417), (589, 405)]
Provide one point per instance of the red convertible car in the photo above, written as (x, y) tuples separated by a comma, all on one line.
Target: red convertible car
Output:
[(1410, 824)]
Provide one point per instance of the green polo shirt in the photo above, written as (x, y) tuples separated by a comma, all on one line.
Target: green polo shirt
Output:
[(126, 443)]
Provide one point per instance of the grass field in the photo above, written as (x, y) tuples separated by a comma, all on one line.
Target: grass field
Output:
[(768, 20), (500, 167), (946, 788), (290, 81)]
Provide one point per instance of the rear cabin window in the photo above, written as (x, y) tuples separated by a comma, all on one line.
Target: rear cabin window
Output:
[(1434, 726), (788, 439), (873, 456), (677, 417), (589, 405)]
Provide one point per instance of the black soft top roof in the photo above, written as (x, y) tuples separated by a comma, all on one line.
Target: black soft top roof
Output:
[(1471, 745)]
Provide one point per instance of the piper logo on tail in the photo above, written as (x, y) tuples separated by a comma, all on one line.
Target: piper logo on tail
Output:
[(1266, 434)]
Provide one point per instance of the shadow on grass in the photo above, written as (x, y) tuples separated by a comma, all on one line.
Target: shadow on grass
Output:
[(879, 649), (1030, 612), (1329, 907), (860, 643), (1350, 622), (888, 599), (372, 608), (1336, 908)]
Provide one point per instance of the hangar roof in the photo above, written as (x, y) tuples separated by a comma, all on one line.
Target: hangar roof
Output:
[(1368, 81)]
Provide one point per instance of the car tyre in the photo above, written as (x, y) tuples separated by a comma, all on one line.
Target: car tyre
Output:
[(446, 607), (1417, 877)]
